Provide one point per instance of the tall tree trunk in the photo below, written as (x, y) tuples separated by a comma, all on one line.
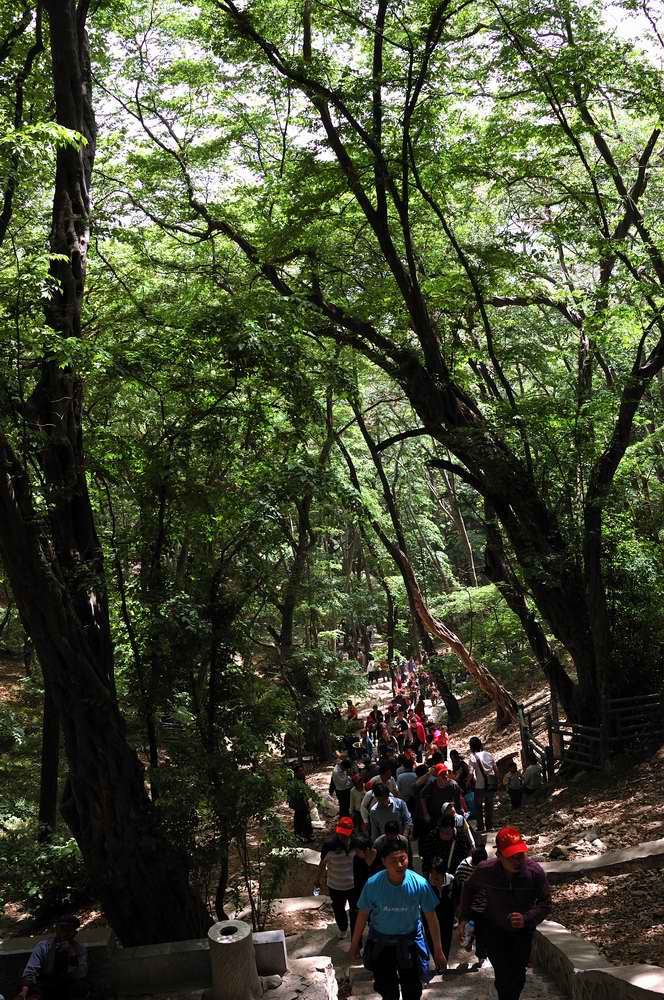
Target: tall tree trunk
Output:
[(451, 509), (498, 570), (315, 724), (222, 881), (59, 582), (50, 762), (449, 699)]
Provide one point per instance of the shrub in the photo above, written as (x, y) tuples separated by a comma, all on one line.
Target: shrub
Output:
[(44, 878)]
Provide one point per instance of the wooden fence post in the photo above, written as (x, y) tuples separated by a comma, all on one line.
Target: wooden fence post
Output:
[(521, 719)]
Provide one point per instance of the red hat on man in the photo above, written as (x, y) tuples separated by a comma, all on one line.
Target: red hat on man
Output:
[(440, 769), (344, 827), (509, 842)]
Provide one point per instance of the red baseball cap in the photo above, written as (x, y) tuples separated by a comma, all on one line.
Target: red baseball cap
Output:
[(344, 827), (440, 769), (509, 842)]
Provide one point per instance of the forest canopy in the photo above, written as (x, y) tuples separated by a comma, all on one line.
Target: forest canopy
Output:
[(320, 322)]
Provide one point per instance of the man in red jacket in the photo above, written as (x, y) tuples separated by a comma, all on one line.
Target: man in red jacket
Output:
[(507, 898)]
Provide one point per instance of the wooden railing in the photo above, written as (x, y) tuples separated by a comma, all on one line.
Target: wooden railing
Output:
[(638, 720), (533, 718), (625, 724)]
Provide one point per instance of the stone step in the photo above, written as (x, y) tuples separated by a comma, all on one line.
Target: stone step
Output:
[(365, 989), (475, 985)]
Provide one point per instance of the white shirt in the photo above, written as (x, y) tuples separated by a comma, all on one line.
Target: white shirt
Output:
[(488, 762), (370, 798), (341, 778)]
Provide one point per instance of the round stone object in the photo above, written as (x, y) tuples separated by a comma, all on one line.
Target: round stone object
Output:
[(234, 975)]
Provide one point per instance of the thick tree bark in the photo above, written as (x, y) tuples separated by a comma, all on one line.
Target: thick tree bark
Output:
[(498, 570), (141, 878), (50, 762), (58, 581)]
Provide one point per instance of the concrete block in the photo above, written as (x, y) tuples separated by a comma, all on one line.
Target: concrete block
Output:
[(302, 873), (563, 954), (583, 973), (270, 951), (647, 855), (176, 965), (627, 982)]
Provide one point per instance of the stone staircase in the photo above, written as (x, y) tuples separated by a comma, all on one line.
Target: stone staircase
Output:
[(461, 982)]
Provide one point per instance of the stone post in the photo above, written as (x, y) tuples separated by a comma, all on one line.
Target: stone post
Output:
[(234, 975)]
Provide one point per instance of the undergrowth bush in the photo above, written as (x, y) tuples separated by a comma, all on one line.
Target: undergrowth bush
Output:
[(43, 878)]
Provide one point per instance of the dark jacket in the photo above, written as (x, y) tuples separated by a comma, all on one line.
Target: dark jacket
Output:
[(433, 849), (526, 891), (436, 797)]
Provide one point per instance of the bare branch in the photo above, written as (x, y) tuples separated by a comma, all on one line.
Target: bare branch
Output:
[(388, 442)]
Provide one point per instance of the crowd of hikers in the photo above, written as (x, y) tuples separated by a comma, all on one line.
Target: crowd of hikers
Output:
[(402, 791)]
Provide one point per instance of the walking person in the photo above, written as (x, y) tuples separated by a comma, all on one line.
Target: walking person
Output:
[(514, 785), (396, 951), (461, 772), (366, 861), (474, 935), (516, 897), (342, 782), (336, 867), (438, 791), (298, 801), (373, 720), (384, 777), (357, 794), (486, 783), (386, 808), (532, 778), (452, 832), (406, 779), (442, 852)]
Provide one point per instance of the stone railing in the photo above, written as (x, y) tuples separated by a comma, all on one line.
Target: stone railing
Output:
[(650, 854), (585, 974)]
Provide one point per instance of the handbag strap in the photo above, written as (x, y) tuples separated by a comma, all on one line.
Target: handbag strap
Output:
[(484, 774), (479, 764)]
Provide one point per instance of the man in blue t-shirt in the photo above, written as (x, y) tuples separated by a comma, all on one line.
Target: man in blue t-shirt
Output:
[(396, 951)]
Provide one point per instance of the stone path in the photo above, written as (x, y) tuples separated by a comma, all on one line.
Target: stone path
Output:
[(473, 986), (458, 984)]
